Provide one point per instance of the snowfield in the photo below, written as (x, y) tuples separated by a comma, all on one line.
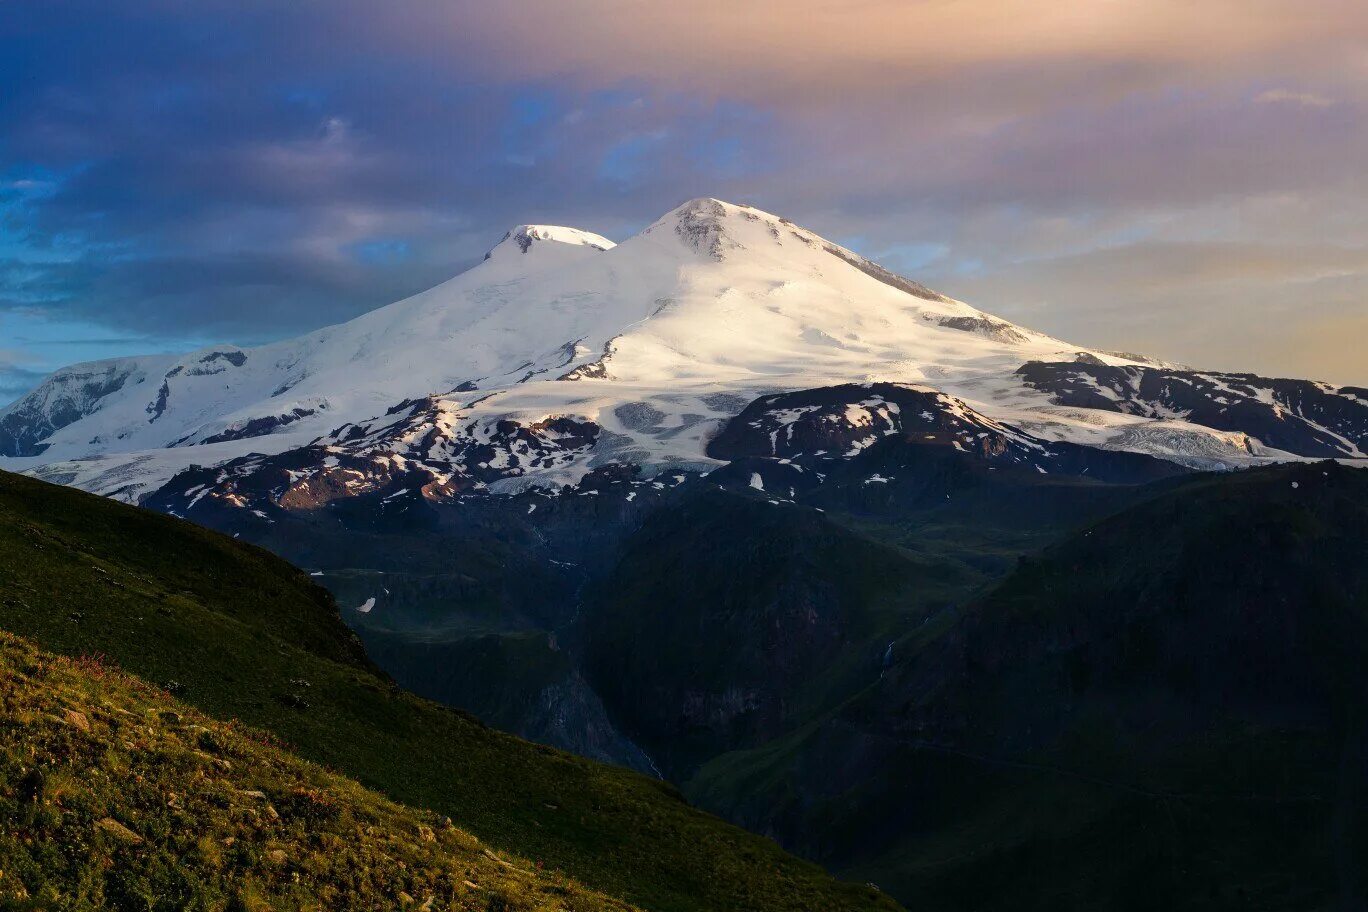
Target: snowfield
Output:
[(656, 342)]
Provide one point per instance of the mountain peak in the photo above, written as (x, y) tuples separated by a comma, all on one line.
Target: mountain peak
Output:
[(521, 239), (711, 226), (710, 207), (719, 230)]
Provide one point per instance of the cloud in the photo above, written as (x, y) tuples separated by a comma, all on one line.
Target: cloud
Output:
[(250, 169), (1305, 99), (1221, 305), (815, 52), (18, 374), (15, 382)]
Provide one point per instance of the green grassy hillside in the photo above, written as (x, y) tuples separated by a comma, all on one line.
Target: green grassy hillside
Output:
[(117, 796), (241, 635)]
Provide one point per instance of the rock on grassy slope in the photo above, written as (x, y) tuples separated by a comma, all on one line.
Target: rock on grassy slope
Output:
[(117, 796), (241, 635)]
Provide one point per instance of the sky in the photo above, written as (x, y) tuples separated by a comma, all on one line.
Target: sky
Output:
[(1171, 177)]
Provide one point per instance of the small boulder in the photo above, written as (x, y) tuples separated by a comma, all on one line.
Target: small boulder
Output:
[(119, 831)]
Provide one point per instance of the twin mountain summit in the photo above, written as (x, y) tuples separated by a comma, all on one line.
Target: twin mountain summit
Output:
[(796, 585)]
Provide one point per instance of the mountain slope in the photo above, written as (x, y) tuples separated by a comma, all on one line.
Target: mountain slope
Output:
[(115, 796), (301, 386), (767, 593), (771, 612), (1164, 710), (81, 575)]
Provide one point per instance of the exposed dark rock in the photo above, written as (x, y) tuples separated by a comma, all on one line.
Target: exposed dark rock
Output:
[(259, 427), (158, 406), (700, 226), (439, 461), (985, 326), (594, 370), (235, 358), (1295, 416), (820, 429), (877, 272)]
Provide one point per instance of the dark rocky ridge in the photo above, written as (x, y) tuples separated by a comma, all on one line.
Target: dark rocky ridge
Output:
[(1296, 416), (259, 427), (801, 438)]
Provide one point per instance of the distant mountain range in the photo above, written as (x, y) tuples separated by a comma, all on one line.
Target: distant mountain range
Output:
[(947, 604)]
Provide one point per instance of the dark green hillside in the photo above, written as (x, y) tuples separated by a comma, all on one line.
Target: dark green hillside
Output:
[(240, 635), (730, 620), (1168, 709)]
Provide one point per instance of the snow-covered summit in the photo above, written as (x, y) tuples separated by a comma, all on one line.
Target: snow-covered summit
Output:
[(657, 340), (522, 238)]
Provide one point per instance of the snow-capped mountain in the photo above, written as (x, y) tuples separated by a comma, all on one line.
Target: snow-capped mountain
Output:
[(562, 353)]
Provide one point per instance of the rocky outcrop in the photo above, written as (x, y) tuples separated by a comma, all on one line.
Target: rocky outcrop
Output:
[(1293, 416)]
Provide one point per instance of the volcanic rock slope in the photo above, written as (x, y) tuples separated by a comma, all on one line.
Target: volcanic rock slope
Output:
[(563, 353)]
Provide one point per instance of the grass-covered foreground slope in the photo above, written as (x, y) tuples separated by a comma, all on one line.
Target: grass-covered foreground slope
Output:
[(115, 795), (241, 635)]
